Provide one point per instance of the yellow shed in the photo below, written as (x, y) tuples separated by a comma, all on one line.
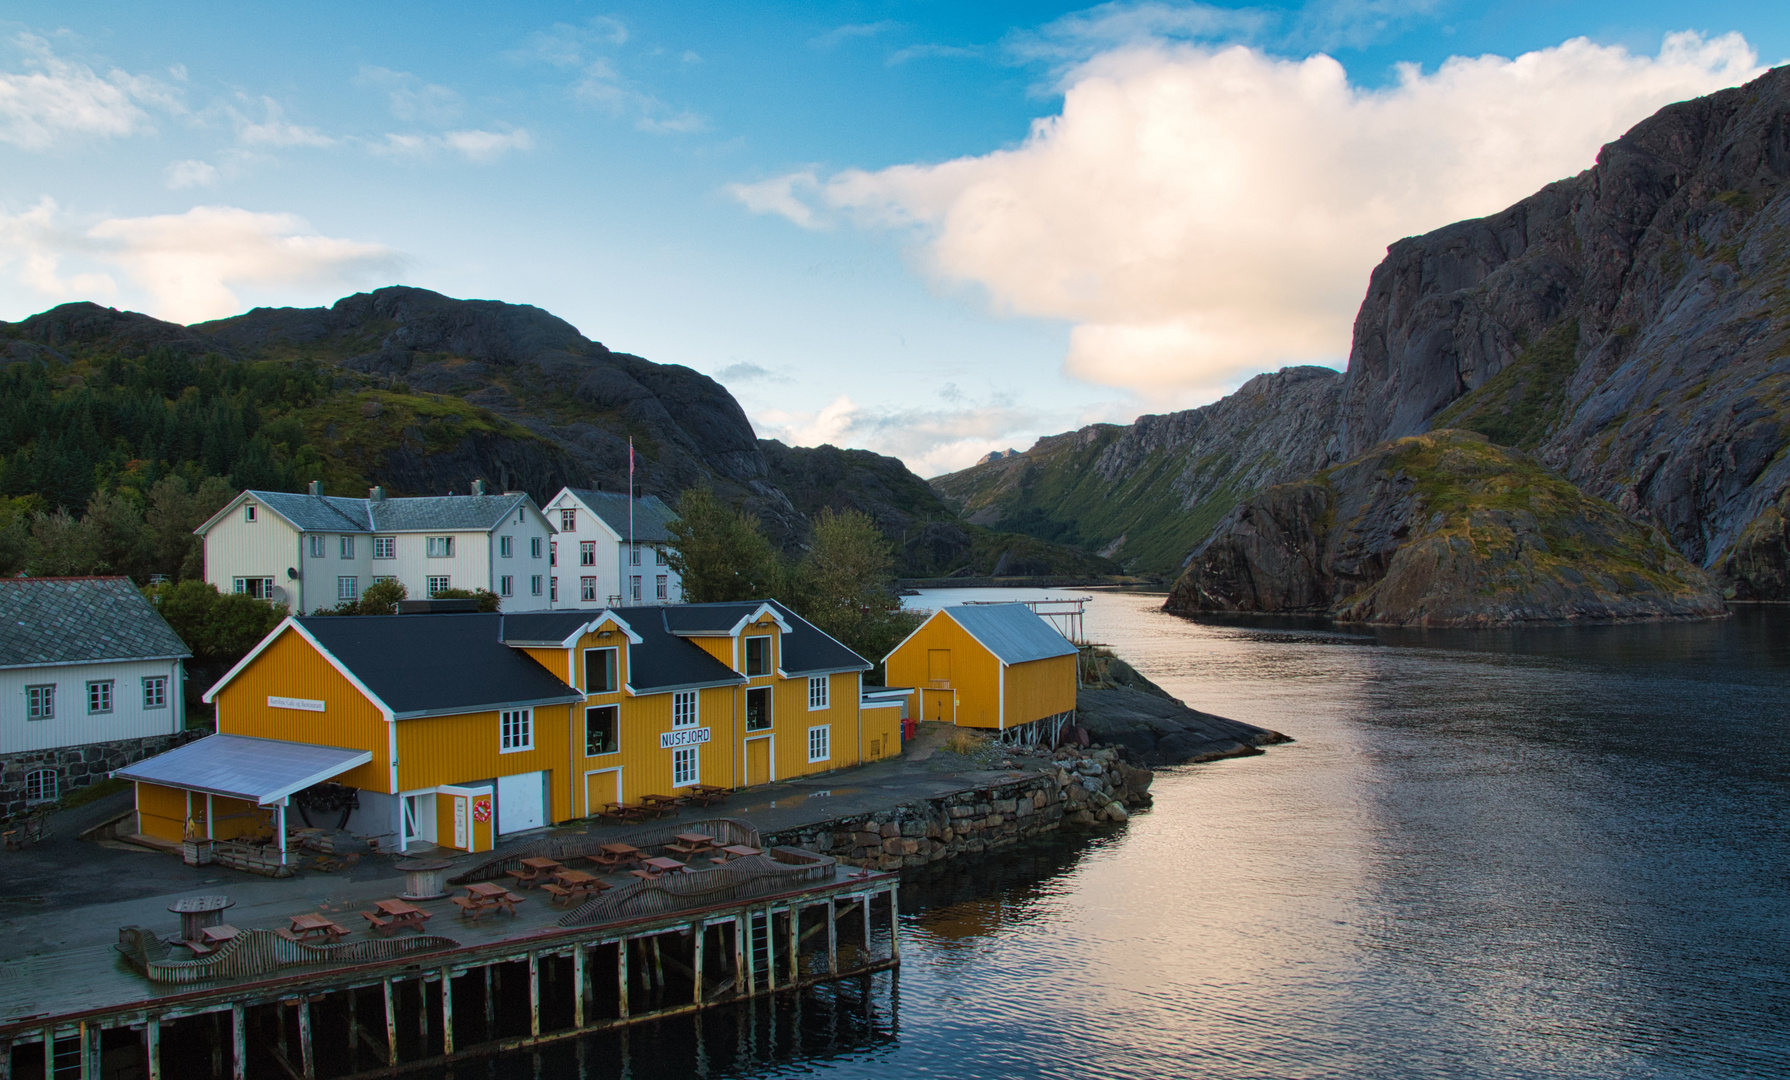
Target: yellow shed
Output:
[(995, 666)]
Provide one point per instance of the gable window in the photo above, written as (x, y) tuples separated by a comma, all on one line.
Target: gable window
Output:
[(587, 553), (587, 588), (439, 547), (602, 730), (99, 696), (662, 588), (316, 547), (248, 513), (599, 671), (758, 656), (534, 547), (758, 709), (516, 730), (40, 786), (438, 584), (683, 709), (506, 547), (685, 770), (820, 743), (348, 588), (347, 547), (385, 547), (155, 692), (634, 555), (817, 692), (568, 521), (261, 588), (534, 585), (40, 702), (660, 558)]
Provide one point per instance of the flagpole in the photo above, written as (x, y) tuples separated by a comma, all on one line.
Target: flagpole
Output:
[(633, 552)]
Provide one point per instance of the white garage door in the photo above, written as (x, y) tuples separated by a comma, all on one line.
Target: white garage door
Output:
[(521, 802)]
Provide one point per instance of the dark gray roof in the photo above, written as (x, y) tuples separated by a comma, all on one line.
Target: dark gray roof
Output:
[(542, 627), (81, 620), (700, 619), (244, 767), (1012, 632), (652, 518), (806, 648), (664, 661), (426, 664), (443, 513)]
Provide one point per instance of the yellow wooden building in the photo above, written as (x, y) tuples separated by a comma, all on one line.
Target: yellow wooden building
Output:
[(995, 666), (468, 726)]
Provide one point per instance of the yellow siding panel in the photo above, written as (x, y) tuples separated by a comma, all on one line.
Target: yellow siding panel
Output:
[(462, 749), (882, 732), (1040, 688), (161, 812), (292, 667), (719, 648)]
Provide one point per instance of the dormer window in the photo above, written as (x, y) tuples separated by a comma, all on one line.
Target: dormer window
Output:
[(758, 656)]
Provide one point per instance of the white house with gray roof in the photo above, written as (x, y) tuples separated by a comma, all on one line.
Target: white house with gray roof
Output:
[(312, 551), (596, 566), (90, 681)]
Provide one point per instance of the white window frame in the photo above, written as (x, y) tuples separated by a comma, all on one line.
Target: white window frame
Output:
[(506, 547), (634, 587), (633, 554), (316, 545), (553, 553), (155, 691), (568, 520), (686, 766), (347, 547), (515, 730), (262, 587), (534, 585), (534, 547), (587, 553), (661, 559), (505, 585), (615, 670), (377, 578), (587, 588), (40, 701), (819, 692), (385, 547), (248, 513), (686, 709), (347, 588), (770, 664), (616, 710), (553, 590), (36, 776), (100, 696), (439, 547), (431, 586), (662, 588), (820, 743)]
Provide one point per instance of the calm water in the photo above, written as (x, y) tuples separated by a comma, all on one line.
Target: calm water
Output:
[(1560, 853)]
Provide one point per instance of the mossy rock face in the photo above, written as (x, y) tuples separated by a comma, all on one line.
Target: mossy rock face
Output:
[(1442, 529)]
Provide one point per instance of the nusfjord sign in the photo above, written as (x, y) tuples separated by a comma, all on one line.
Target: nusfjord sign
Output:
[(686, 737)]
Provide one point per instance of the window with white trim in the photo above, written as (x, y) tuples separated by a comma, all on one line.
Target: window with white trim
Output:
[(758, 656), (820, 743), (348, 588), (261, 588), (347, 547), (377, 578), (40, 786), (534, 547), (516, 730), (155, 692), (553, 590), (661, 559), (663, 588), (587, 588), (439, 547), (99, 696), (587, 553), (600, 676), (634, 588), (438, 584), (634, 555), (248, 513), (40, 702), (685, 767), (506, 547), (817, 691), (568, 521), (534, 585), (505, 586), (316, 547), (385, 547), (602, 730), (553, 553), (683, 708)]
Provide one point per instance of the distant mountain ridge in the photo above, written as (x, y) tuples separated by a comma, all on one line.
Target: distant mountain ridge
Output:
[(1628, 327)]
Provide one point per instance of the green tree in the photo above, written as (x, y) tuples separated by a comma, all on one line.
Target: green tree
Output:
[(59, 546), (845, 584), (720, 553), (220, 628), (381, 598), (117, 536), (15, 532), (176, 508)]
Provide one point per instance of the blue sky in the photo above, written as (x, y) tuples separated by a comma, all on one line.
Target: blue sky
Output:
[(927, 229)]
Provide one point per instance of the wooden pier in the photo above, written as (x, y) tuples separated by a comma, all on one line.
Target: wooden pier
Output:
[(537, 985)]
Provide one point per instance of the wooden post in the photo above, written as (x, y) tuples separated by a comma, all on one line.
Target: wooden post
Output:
[(866, 957), (658, 966), (832, 937), (702, 931), (621, 974), (793, 923), (353, 1032), (750, 947), (447, 1010), (422, 1012), (578, 986), (307, 1055), (152, 1049), (391, 1024), (239, 1042), (534, 993), (85, 1035), (894, 926), (770, 954), (50, 1052), (490, 1007)]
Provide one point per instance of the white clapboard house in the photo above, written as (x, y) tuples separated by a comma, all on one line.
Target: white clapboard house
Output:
[(596, 566)]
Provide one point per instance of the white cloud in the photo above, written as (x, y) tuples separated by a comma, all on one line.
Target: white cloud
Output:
[(276, 130), (1201, 213), (473, 144), (410, 98), (933, 52), (186, 266), (55, 99), (849, 31), (929, 441), (186, 174), (599, 83)]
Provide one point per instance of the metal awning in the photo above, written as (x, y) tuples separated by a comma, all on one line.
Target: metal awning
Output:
[(262, 771)]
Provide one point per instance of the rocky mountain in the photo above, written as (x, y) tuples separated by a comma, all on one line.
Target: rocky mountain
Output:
[(1628, 329), (423, 393)]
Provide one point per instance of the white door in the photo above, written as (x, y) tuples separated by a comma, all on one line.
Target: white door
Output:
[(521, 802)]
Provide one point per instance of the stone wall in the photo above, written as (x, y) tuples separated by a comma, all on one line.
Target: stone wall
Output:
[(78, 766), (1084, 787)]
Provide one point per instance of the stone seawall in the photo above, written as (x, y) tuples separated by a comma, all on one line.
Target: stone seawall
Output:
[(74, 767), (1084, 787)]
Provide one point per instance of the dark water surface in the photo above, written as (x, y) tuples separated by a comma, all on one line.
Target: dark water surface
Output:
[(1560, 853)]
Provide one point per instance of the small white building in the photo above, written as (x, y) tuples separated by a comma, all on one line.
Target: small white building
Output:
[(90, 681), (312, 551), (595, 565)]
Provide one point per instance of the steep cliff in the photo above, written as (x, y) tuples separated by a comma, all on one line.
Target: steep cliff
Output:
[(1441, 529)]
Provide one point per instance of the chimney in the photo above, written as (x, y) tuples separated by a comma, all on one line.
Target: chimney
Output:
[(316, 488), (375, 494), (478, 487)]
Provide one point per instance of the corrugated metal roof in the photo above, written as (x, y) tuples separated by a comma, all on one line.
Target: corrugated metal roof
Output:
[(316, 513), (443, 513), (241, 767), (1012, 632), (652, 518), (81, 620)]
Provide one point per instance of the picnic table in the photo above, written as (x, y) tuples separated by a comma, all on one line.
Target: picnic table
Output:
[(734, 851), (212, 938), (570, 885), (394, 915), (654, 869), (484, 897), (534, 870), (311, 926), (662, 804), (692, 843), (708, 794), (614, 856), (198, 912), (623, 812)]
